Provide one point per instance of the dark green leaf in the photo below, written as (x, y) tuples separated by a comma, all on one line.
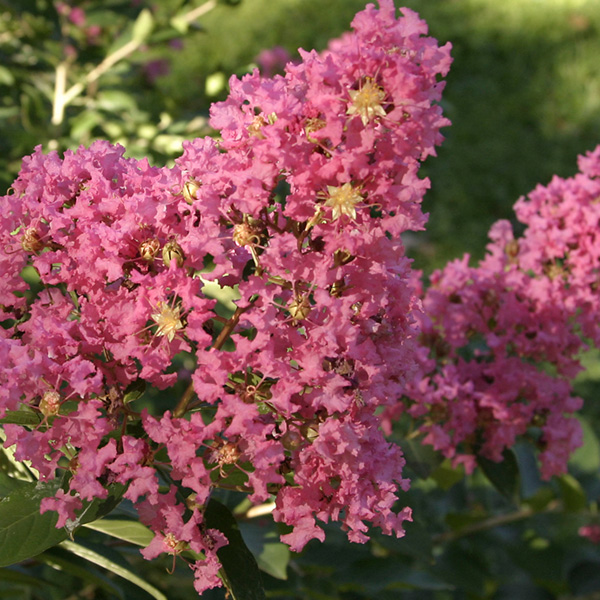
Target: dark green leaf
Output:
[(421, 458), (21, 417), (573, 495), (112, 561), (503, 475), (24, 532), (134, 390), (17, 577), (445, 475), (97, 508), (10, 484), (584, 578), (240, 571), (58, 558)]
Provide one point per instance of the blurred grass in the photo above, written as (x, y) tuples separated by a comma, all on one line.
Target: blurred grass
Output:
[(523, 95)]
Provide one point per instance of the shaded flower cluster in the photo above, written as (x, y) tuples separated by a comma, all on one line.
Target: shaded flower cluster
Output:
[(501, 341), (105, 263)]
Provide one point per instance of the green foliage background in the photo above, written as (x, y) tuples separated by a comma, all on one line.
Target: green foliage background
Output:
[(524, 98)]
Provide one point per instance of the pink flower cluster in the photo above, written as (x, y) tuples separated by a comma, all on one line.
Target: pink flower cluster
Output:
[(104, 262), (501, 340)]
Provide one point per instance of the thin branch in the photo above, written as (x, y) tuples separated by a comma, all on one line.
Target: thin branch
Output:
[(493, 522), (63, 99), (183, 403), (60, 84), (199, 11)]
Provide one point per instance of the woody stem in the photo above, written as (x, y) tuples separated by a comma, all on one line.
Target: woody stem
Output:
[(187, 396)]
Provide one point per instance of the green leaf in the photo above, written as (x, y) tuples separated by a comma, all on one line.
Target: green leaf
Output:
[(24, 532), (6, 77), (84, 122), (123, 529), (573, 495), (504, 475), (134, 390), (97, 508), (446, 475), (421, 458), (112, 561), (21, 417), (240, 572), (61, 560), (143, 25), (19, 578), (587, 457), (271, 555), (10, 484), (180, 23), (584, 578), (115, 101)]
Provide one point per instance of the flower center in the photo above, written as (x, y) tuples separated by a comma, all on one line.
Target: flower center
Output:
[(168, 319), (366, 101), (343, 200)]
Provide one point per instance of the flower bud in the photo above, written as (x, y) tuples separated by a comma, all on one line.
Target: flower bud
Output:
[(250, 231), (50, 403), (189, 190), (149, 249), (172, 252), (31, 241), (299, 308)]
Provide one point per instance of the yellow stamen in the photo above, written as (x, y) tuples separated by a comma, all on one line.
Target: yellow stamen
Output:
[(168, 320), (367, 101), (343, 200)]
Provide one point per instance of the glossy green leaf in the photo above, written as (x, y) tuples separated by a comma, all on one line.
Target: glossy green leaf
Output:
[(240, 572), (24, 532), (10, 484), (123, 529), (112, 561), (504, 475), (272, 556), (97, 508), (134, 391)]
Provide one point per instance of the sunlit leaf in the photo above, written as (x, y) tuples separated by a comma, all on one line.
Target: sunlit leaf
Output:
[(123, 529), (272, 556), (143, 25)]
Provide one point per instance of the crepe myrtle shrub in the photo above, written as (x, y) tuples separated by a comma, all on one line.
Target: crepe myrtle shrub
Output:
[(299, 206)]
